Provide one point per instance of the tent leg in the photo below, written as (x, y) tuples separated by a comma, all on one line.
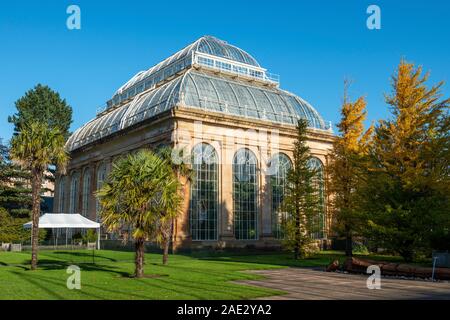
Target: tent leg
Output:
[(98, 239)]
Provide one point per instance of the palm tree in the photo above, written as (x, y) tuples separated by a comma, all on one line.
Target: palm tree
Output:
[(141, 191), (35, 148), (183, 171)]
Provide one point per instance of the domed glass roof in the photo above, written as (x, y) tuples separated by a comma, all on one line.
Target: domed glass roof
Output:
[(183, 58), (220, 48), (201, 89)]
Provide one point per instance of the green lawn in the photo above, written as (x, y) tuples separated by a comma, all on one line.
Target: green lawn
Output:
[(198, 276)]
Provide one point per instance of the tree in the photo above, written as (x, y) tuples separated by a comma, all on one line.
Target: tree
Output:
[(15, 193), (11, 229), (42, 104), (345, 170), (141, 191), (35, 148), (15, 199), (301, 201), (176, 158), (408, 177)]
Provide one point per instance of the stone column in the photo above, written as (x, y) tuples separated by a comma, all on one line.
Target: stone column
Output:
[(92, 214), (226, 193), (57, 197), (265, 198)]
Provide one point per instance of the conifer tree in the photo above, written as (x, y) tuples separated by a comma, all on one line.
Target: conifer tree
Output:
[(301, 199), (15, 190), (42, 104), (345, 170), (406, 194), (15, 199)]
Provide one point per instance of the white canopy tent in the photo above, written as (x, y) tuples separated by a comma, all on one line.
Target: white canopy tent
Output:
[(66, 221)]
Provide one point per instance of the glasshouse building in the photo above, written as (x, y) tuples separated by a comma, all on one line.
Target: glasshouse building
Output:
[(216, 101)]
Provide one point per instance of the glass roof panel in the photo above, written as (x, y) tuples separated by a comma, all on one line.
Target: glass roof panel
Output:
[(220, 48), (189, 94), (262, 101), (208, 97)]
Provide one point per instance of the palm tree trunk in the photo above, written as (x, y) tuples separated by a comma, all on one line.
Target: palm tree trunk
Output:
[(139, 258), (171, 236), (166, 251), (167, 241), (36, 183)]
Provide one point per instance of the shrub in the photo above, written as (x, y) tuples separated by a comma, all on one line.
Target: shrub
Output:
[(360, 249), (90, 236)]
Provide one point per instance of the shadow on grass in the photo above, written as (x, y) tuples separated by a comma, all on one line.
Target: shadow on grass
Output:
[(278, 259), (36, 281), (60, 265), (88, 255), (285, 259)]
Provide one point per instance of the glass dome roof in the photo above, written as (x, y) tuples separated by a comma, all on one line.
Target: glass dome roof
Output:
[(206, 44), (205, 91)]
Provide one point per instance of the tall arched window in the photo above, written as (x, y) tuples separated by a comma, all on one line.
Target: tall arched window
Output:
[(74, 189), (280, 166), (86, 192), (61, 193), (203, 205), (245, 195), (318, 223), (101, 176)]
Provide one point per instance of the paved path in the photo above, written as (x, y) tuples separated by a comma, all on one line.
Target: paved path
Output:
[(302, 283)]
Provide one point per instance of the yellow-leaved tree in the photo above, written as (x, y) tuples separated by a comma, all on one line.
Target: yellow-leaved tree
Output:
[(347, 168), (406, 197)]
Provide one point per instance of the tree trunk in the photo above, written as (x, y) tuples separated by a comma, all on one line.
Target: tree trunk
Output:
[(166, 251), (139, 258), (36, 183), (167, 240), (297, 236), (348, 242), (171, 236)]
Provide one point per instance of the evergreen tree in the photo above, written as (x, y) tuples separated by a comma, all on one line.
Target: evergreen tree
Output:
[(345, 169), (15, 191), (42, 104), (15, 199), (301, 201), (406, 197)]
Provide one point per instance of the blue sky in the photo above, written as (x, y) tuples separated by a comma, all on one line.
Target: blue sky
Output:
[(312, 45)]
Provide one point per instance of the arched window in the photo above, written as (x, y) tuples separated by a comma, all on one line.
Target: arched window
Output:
[(203, 205), (74, 189), (86, 192), (318, 223), (61, 193), (101, 176), (245, 195), (279, 166)]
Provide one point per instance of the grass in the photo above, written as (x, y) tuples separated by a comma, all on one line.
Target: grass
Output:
[(199, 276)]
